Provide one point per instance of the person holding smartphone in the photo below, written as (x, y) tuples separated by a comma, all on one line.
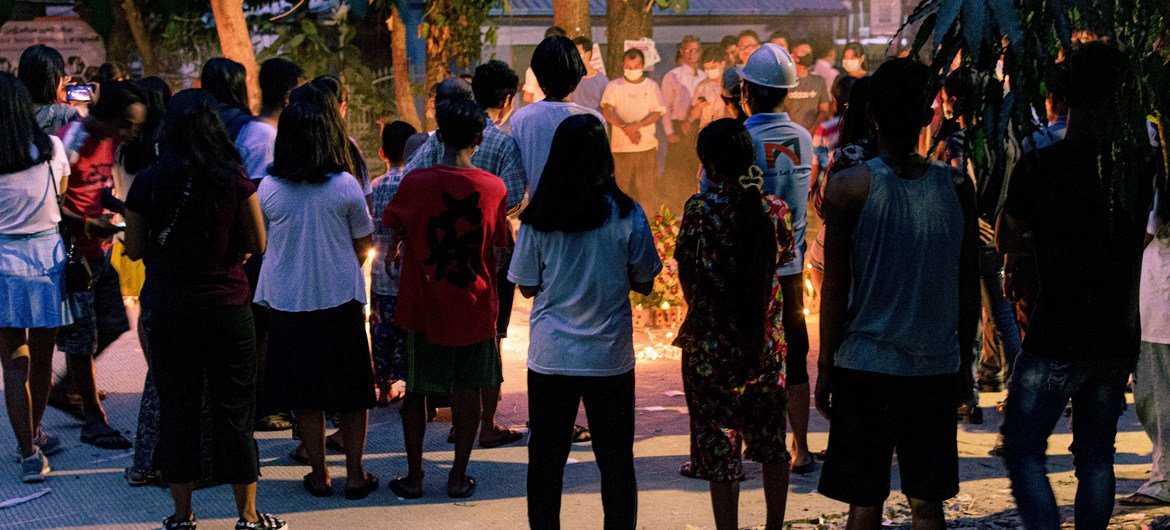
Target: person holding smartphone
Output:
[(42, 70)]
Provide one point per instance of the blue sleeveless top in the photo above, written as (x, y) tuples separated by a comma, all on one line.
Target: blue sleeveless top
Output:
[(904, 301)]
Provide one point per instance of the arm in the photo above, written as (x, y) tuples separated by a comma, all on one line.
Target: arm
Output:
[(845, 195), (255, 235), (969, 295), (513, 174), (135, 241), (823, 114)]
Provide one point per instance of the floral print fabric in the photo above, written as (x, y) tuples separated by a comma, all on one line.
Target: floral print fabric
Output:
[(733, 395)]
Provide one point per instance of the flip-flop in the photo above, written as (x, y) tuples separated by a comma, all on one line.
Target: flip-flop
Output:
[(398, 487), (468, 489), (806, 468), (313, 490), (107, 438), (371, 486), (1141, 499), (581, 434), (509, 437)]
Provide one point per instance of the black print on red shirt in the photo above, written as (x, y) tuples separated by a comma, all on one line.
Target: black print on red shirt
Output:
[(456, 257)]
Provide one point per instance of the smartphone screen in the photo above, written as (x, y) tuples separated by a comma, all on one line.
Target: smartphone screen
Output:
[(83, 93)]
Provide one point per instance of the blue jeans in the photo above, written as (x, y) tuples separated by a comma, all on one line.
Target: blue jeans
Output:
[(1040, 388), (1001, 332)]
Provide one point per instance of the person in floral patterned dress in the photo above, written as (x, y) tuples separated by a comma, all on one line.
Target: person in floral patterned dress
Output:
[(733, 240)]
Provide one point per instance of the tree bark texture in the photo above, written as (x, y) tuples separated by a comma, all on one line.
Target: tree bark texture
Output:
[(141, 38), (573, 17), (625, 20), (236, 43), (403, 95)]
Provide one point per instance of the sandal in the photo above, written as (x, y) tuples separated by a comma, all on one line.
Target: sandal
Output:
[(1141, 499), (805, 468), (467, 491), (509, 436), (359, 493), (398, 487), (313, 490), (103, 436), (581, 434), (273, 423)]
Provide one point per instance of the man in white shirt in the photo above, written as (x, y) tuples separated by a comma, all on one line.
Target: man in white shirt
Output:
[(825, 50), (678, 93), (632, 105), (256, 140)]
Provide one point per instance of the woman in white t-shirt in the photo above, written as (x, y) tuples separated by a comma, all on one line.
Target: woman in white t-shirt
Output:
[(32, 262), (583, 246), (1151, 388), (319, 234)]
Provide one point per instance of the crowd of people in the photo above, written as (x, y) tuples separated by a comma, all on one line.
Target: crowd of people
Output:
[(253, 232)]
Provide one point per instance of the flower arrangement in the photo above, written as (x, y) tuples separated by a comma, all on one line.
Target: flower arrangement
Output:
[(664, 305)]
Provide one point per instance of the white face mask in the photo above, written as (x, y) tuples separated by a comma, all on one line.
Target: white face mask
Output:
[(714, 74), (851, 65), (632, 75)]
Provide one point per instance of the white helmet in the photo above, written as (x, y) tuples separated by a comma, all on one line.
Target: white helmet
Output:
[(770, 66)]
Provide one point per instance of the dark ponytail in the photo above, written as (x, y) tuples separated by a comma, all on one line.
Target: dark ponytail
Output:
[(728, 155)]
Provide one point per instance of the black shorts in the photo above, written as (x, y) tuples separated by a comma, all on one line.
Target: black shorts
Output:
[(874, 415)]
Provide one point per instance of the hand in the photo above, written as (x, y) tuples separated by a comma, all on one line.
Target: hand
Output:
[(101, 228), (823, 392), (674, 138), (687, 128), (631, 130)]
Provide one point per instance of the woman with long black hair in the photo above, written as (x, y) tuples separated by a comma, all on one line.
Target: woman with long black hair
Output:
[(583, 246), (193, 216), (33, 167), (734, 239), (226, 80)]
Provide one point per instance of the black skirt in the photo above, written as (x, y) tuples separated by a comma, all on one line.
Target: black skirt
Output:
[(320, 360)]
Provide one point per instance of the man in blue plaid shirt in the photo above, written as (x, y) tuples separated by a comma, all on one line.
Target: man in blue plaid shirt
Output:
[(494, 86), (387, 339)]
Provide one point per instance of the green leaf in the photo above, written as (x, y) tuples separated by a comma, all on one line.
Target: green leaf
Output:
[(924, 34), (974, 27), (948, 13), (295, 40), (1007, 17)]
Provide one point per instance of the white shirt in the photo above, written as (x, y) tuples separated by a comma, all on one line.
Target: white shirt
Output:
[(256, 144), (678, 91), (310, 264), (533, 127), (581, 320), (633, 102), (825, 69), (532, 86), (1154, 299), (29, 199)]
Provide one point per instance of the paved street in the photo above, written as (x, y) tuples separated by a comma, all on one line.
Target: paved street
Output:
[(87, 489)]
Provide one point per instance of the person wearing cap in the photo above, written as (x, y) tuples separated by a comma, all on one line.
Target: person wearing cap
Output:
[(784, 151), (632, 105)]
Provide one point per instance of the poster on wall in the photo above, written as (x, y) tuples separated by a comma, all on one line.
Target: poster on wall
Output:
[(885, 17), (79, 44)]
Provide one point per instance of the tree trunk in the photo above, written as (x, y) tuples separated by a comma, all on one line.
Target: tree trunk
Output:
[(573, 17), (438, 54), (141, 38), (401, 70), (236, 43), (625, 20)]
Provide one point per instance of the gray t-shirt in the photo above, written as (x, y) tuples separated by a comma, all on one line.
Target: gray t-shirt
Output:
[(589, 91), (804, 101)]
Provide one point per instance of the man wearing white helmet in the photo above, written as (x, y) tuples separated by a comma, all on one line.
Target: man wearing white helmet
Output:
[(784, 151)]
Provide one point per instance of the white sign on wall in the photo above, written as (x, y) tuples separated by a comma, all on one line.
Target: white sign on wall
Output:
[(885, 17), (78, 43), (648, 51)]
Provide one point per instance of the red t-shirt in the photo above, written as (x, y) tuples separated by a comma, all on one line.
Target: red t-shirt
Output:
[(450, 219), (92, 160)]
